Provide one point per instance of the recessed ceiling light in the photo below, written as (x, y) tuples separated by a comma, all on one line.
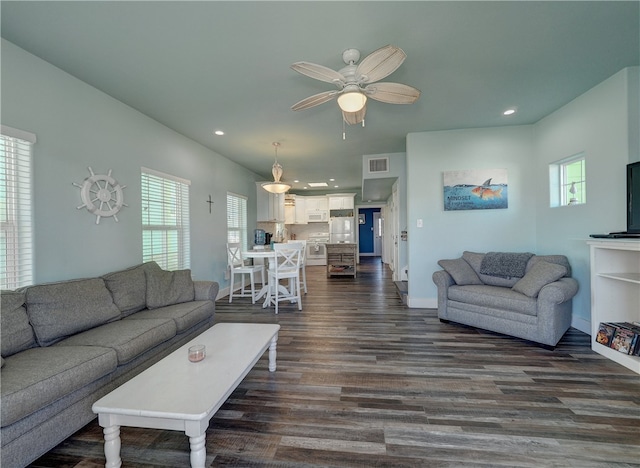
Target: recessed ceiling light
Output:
[(318, 184), (296, 181), (336, 186), (305, 188), (509, 111), (219, 132), (332, 180)]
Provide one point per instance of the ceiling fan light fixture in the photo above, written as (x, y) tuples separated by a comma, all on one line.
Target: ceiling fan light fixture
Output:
[(276, 186), (352, 101)]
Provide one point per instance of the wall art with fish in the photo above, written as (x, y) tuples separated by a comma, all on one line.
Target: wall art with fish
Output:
[(476, 189)]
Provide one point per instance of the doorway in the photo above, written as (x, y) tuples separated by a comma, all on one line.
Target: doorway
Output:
[(369, 232)]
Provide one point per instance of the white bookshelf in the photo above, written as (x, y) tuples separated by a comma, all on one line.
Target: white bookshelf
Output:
[(615, 291)]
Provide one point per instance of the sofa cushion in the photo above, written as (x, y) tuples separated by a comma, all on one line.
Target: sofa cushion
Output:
[(541, 274), (16, 332), (494, 297), (185, 314), (129, 338), (460, 271), (58, 310), (129, 287), (557, 259), (37, 377), (475, 260), (168, 287)]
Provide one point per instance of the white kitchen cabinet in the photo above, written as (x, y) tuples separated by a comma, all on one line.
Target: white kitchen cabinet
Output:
[(318, 203), (615, 291), (294, 210), (341, 202), (270, 206)]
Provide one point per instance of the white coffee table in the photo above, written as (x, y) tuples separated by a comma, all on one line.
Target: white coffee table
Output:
[(179, 395)]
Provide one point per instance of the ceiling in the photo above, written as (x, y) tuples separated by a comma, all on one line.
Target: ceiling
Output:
[(206, 65)]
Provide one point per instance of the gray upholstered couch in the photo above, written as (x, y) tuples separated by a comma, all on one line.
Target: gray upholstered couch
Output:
[(531, 301), (66, 344)]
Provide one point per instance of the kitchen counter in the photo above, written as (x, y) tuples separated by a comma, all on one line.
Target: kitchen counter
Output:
[(341, 259)]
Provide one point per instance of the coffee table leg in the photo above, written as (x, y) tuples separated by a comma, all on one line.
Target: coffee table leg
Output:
[(198, 451), (272, 353), (112, 447)]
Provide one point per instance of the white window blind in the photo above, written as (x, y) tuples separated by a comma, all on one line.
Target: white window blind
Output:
[(16, 218), (237, 219), (165, 220)]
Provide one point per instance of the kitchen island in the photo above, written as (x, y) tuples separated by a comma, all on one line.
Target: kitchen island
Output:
[(341, 259)]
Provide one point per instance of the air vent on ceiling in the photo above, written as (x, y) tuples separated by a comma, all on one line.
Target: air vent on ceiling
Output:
[(379, 165)]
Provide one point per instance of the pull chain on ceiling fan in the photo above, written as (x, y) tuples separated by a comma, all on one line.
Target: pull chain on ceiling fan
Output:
[(356, 83)]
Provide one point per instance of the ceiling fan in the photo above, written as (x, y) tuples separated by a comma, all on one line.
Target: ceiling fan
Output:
[(356, 83)]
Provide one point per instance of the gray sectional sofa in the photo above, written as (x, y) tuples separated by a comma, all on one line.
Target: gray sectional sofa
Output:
[(523, 295), (65, 345)]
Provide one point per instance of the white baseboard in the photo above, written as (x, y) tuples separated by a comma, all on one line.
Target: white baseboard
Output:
[(581, 324), (422, 303)]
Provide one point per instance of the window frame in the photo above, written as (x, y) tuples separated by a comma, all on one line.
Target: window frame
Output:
[(167, 238), (16, 211), (560, 182), (239, 232)]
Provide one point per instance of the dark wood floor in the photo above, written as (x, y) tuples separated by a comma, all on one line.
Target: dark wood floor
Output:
[(363, 381)]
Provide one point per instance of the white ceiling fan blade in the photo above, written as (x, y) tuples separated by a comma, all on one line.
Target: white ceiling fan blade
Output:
[(319, 72), (314, 100), (392, 93), (380, 63), (353, 118)]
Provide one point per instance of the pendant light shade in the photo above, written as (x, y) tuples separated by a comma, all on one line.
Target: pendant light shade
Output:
[(276, 186)]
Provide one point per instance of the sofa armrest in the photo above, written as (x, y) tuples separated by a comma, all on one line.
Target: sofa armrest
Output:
[(206, 290), (559, 291), (443, 280)]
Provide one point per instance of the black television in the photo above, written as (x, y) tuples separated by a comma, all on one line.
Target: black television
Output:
[(633, 198)]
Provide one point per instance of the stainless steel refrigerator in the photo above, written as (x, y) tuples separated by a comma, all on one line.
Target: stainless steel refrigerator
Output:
[(342, 229)]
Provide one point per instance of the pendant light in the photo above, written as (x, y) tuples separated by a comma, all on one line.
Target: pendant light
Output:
[(276, 186)]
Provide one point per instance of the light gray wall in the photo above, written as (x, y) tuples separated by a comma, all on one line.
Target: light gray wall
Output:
[(598, 124), (446, 234), (78, 126), (602, 123)]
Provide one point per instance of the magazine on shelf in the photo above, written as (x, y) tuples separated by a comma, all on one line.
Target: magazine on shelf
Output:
[(605, 333), (624, 337)]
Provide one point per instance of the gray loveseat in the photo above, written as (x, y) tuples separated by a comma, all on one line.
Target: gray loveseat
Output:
[(66, 344), (523, 295)]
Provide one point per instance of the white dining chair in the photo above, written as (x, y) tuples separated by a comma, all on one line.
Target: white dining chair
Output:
[(238, 267), (303, 263), (285, 266)]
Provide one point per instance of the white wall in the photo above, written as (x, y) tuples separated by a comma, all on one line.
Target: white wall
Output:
[(78, 126), (598, 124), (446, 234)]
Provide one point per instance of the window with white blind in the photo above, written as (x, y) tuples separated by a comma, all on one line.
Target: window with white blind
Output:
[(165, 220), (16, 217), (237, 219)]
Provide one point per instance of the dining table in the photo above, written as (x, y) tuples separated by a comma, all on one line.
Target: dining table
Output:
[(270, 255)]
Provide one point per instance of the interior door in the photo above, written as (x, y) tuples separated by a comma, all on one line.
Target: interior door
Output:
[(377, 234)]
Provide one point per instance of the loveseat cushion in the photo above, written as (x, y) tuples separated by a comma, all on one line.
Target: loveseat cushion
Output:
[(185, 315), (460, 271), (556, 259), (16, 332), (37, 377), (58, 310), (168, 287), (129, 287), (494, 297), (541, 274), (129, 338)]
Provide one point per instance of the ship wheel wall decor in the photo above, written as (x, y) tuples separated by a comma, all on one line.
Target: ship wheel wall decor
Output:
[(101, 195)]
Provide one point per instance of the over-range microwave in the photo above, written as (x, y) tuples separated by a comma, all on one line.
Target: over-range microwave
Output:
[(317, 216)]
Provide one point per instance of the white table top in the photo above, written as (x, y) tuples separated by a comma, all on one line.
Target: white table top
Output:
[(176, 388)]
